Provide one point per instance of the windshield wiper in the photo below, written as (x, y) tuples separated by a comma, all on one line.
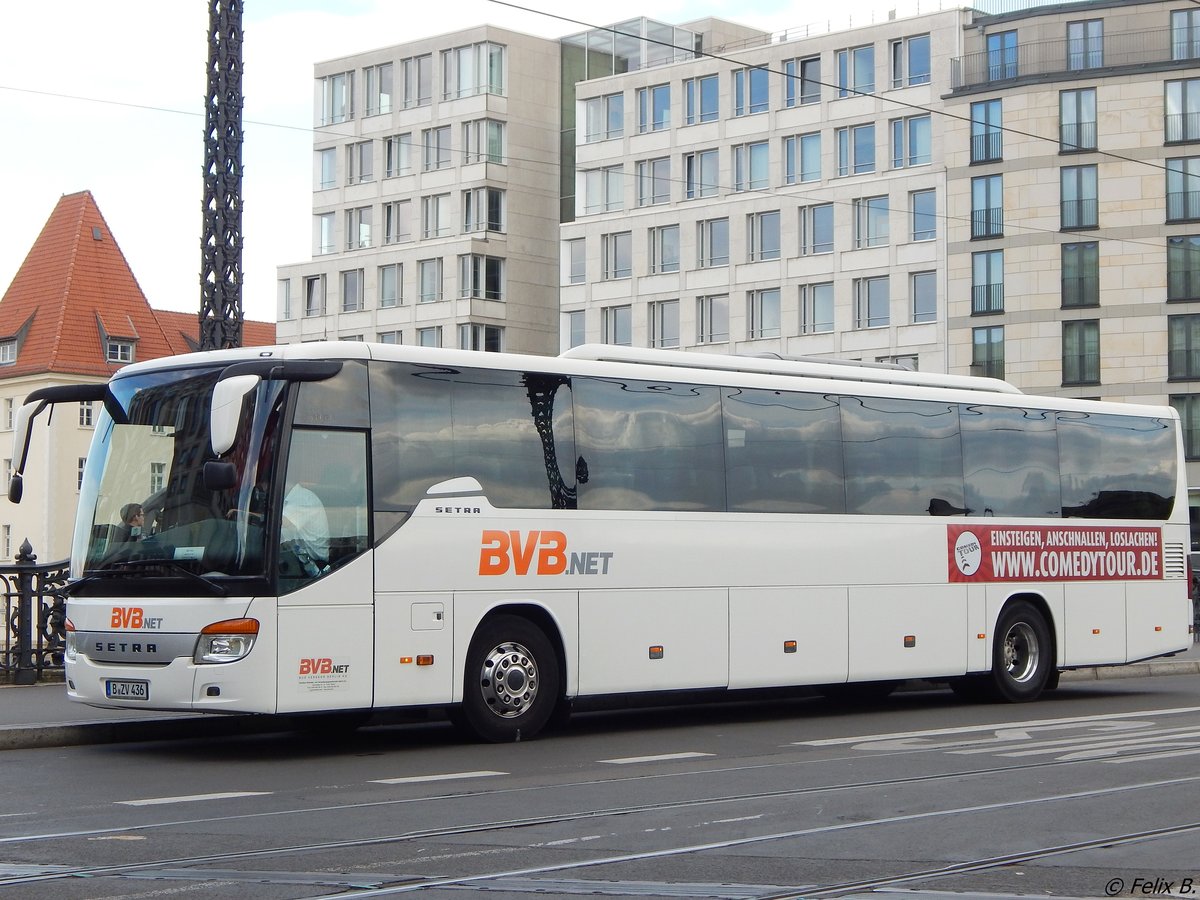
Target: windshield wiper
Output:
[(130, 566)]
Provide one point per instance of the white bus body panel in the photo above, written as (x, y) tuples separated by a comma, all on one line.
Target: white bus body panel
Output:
[(762, 619), (408, 626), (1153, 616), (1094, 623)]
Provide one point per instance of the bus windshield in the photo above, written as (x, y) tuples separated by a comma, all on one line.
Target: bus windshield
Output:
[(144, 505)]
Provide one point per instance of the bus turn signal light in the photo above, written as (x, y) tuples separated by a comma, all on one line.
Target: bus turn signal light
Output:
[(426, 660), (789, 646)]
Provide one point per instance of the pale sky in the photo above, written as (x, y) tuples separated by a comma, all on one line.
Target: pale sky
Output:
[(110, 98)]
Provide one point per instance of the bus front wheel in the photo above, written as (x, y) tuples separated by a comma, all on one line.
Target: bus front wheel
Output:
[(511, 683), (1023, 655)]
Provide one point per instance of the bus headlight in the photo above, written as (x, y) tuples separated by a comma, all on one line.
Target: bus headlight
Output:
[(225, 642), (70, 644)]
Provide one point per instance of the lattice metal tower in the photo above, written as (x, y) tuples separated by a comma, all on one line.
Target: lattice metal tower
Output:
[(221, 245)]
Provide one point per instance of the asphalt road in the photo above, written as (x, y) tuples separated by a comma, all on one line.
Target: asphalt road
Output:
[(1094, 785)]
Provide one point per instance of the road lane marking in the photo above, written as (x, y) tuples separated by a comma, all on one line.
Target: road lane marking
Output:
[(662, 757), (192, 798), (448, 776)]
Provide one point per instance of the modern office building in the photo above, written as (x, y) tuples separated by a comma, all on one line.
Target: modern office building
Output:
[(966, 190)]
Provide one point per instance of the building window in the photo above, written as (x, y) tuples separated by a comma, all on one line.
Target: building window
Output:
[(119, 351), (314, 296), (1185, 34), (603, 190), (474, 69), (872, 301), (283, 296), (1077, 120), (8, 353), (987, 351), (712, 319), (1183, 267), (82, 463), (856, 71), (923, 207), (923, 290), (664, 249), (816, 308), (700, 176), (701, 100), (987, 131), (390, 337), (653, 181), (910, 61), (712, 243), (1188, 407), (6, 542), (987, 206), (617, 250), (617, 325), (802, 158), (417, 73), (802, 84), (158, 476), (912, 142), (358, 228), (483, 141), (378, 89), (987, 282), (481, 276), (763, 236), (870, 222), (762, 316), (654, 108), (336, 98), (1085, 45), (816, 229), (323, 238), (576, 328), (751, 166), (488, 338), (429, 282), (352, 290), (483, 209), (397, 221), (664, 324), (397, 155), (429, 337), (9, 411), (1081, 274), (574, 261), (1081, 352), (1079, 200), (1183, 347), (85, 414), (750, 91), (856, 150), (391, 280), (435, 216), (359, 157), (603, 118), (1183, 189), (436, 142), (1183, 110), (1002, 55), (326, 168)]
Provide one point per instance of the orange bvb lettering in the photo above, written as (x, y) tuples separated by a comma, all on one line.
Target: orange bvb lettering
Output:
[(503, 550)]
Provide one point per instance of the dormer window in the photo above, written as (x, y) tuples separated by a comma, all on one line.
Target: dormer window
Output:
[(8, 352), (120, 351)]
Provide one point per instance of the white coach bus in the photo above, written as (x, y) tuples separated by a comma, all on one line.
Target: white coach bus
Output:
[(500, 535)]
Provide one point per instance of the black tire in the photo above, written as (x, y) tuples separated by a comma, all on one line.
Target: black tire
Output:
[(516, 705), (1022, 654)]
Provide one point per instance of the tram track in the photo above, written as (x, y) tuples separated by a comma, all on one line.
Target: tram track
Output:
[(149, 866)]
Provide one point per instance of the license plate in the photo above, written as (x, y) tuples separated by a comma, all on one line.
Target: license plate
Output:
[(116, 689)]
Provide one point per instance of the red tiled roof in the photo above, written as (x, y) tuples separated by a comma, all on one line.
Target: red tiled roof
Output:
[(75, 288)]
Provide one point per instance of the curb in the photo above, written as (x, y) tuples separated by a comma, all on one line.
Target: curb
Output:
[(74, 734)]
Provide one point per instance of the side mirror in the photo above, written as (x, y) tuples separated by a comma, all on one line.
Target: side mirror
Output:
[(225, 415), (15, 488)]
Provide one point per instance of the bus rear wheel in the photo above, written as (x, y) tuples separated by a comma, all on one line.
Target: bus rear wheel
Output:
[(1023, 655), (511, 683)]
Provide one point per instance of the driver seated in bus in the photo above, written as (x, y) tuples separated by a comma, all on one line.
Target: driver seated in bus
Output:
[(133, 519), (306, 529)]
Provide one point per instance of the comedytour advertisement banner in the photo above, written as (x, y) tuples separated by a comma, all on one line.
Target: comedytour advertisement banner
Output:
[(1053, 553)]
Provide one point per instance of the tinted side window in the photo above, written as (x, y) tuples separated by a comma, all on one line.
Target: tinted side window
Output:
[(902, 457), (646, 445), (1010, 459), (1117, 467), (340, 401), (411, 438), (783, 452)]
